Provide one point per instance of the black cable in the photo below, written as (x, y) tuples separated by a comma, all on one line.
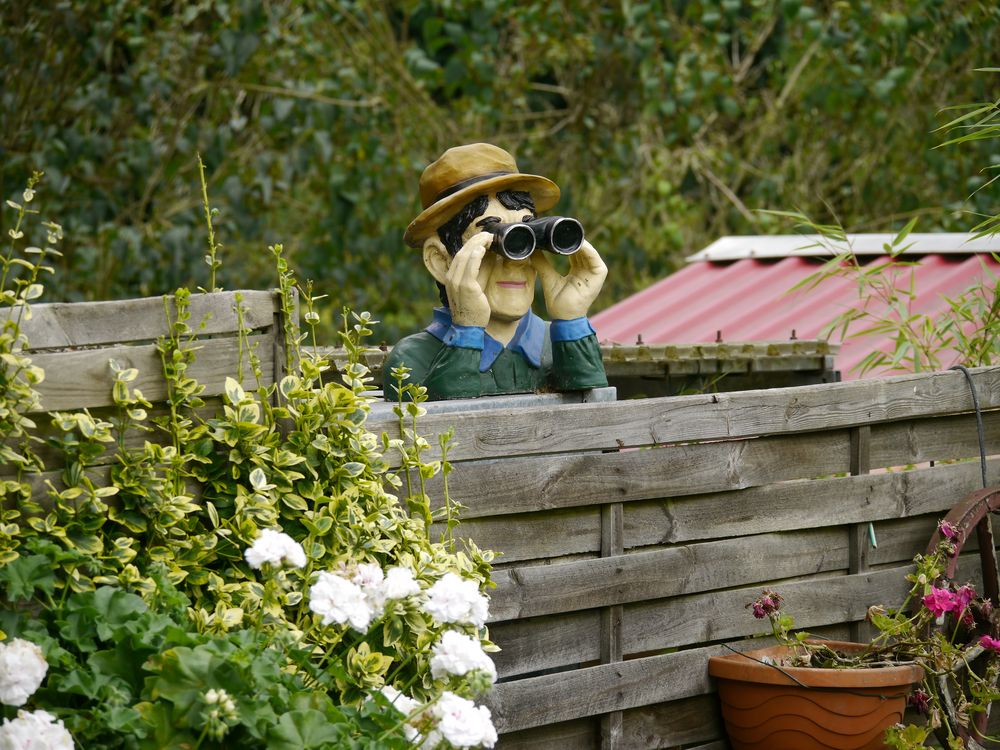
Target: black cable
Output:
[(979, 419)]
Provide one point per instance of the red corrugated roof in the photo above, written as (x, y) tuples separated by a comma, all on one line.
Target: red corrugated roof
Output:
[(749, 300)]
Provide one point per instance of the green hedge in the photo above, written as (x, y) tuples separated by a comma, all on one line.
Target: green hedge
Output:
[(667, 124)]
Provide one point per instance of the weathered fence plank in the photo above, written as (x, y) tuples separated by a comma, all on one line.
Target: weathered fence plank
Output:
[(540, 643), (570, 480), (579, 734), (668, 725), (802, 504), (548, 589), (709, 417), (81, 378), (601, 689), (916, 441), (76, 324), (533, 536), (517, 485)]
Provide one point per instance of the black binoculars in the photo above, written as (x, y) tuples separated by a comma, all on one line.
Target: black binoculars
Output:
[(557, 234)]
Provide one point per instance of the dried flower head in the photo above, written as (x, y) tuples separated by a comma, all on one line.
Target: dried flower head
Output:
[(920, 701), (766, 604)]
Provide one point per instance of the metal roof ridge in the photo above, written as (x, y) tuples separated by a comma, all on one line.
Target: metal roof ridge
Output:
[(742, 247)]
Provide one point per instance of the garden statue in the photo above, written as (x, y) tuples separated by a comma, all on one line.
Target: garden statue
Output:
[(481, 237)]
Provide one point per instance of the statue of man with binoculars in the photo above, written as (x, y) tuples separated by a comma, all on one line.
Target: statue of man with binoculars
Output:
[(481, 241)]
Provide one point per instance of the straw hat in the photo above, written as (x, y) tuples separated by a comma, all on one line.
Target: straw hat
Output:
[(465, 172)]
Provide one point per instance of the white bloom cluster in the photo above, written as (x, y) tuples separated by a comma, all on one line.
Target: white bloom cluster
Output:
[(461, 723), (35, 730), (399, 583), (456, 599), (338, 600), (458, 654), (362, 598), (369, 576), (22, 670), (275, 547)]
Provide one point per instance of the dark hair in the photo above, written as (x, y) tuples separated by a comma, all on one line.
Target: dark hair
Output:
[(450, 233)]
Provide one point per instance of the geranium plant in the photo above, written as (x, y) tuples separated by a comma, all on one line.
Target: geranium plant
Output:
[(259, 577), (945, 628)]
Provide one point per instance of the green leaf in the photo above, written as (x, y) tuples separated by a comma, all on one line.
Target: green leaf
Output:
[(302, 730), (293, 501), (25, 575), (353, 468), (234, 391), (258, 479)]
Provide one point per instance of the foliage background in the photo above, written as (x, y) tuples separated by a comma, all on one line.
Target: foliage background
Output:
[(665, 123)]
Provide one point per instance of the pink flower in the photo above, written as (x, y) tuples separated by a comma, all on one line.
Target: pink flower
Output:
[(940, 601), (965, 596), (990, 644), (948, 530)]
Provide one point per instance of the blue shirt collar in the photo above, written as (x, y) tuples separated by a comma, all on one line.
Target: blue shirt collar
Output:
[(528, 339)]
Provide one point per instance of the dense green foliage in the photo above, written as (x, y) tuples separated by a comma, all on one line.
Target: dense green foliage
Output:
[(138, 553), (666, 124)]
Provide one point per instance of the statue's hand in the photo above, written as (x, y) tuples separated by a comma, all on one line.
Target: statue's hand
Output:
[(469, 306), (568, 297)]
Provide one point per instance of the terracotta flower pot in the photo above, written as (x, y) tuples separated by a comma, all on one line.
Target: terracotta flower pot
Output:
[(842, 709)]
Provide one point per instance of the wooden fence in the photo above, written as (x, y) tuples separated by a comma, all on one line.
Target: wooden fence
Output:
[(633, 533), (76, 344)]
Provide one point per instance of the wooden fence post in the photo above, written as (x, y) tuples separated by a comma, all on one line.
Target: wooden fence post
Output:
[(859, 542), (612, 543)]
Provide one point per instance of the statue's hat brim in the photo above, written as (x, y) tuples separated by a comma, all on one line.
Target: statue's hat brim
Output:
[(465, 172)]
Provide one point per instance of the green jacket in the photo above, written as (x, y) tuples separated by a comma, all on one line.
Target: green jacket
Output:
[(464, 361)]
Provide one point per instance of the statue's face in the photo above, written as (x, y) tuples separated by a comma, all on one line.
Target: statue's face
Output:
[(509, 285)]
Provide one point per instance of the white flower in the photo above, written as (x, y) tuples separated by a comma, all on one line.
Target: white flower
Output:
[(368, 576), (338, 600), (276, 548), (28, 195), (463, 723), (399, 583), (459, 654), (38, 730), (455, 599), (22, 669)]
